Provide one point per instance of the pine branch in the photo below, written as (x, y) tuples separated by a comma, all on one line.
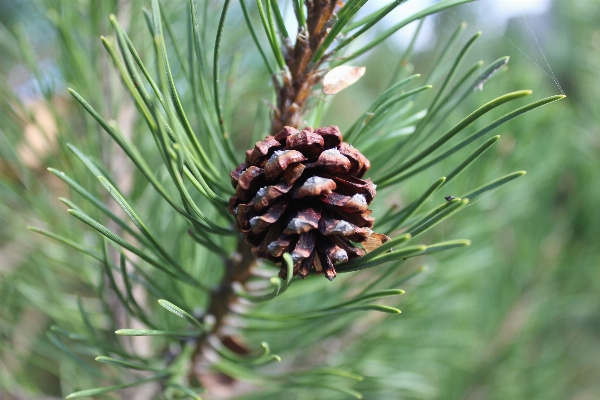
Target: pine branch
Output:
[(181, 143), (302, 72)]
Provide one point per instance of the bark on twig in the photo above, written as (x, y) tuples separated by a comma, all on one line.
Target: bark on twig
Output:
[(302, 75), (238, 268)]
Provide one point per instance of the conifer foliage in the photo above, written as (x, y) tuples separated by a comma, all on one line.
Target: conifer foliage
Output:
[(166, 229)]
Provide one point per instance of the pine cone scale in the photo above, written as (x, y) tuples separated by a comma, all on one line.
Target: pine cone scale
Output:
[(315, 186), (269, 194), (304, 221), (281, 160)]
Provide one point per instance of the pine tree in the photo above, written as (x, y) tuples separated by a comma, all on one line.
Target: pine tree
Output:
[(162, 122)]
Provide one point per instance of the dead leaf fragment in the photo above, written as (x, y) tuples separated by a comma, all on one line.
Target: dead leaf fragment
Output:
[(339, 78), (374, 241)]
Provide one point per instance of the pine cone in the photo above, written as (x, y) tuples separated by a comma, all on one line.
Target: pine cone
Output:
[(301, 192)]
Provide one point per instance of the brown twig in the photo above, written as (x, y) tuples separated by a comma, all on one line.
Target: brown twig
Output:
[(302, 75), (237, 269)]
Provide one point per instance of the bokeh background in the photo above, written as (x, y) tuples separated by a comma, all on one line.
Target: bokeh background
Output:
[(514, 316)]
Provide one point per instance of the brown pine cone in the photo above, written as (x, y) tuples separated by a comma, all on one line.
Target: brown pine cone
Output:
[(301, 192)]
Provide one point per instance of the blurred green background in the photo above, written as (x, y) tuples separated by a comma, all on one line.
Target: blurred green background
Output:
[(514, 316)]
